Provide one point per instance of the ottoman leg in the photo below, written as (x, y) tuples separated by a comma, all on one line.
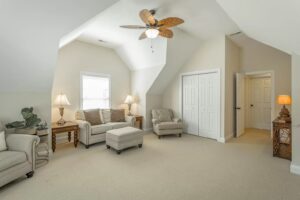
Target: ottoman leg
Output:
[(119, 152), (107, 146), (140, 145), (179, 135)]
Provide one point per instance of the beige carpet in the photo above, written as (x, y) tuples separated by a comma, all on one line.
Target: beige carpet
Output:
[(171, 168)]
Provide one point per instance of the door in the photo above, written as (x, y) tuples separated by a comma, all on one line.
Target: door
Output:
[(190, 103), (260, 105), (209, 98), (240, 104)]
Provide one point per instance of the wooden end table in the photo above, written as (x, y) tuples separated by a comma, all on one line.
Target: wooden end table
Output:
[(67, 127), (139, 121)]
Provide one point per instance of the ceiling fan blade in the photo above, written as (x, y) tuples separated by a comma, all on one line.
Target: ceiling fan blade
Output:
[(133, 26), (147, 17), (170, 22), (143, 36), (167, 33)]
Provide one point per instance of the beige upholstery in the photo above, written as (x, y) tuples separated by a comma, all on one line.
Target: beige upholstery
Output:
[(19, 158), (93, 134), (122, 138), (164, 123)]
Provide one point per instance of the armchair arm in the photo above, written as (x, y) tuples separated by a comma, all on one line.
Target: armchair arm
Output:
[(24, 143), (177, 120), (155, 121), (130, 119)]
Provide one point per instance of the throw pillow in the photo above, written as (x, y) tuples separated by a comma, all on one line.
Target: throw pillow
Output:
[(3, 146), (118, 115), (92, 116), (105, 115), (164, 116)]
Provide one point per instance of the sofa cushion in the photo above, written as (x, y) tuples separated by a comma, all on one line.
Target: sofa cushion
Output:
[(9, 159), (92, 116), (116, 125), (99, 129), (105, 115), (117, 115), (3, 146), (169, 125)]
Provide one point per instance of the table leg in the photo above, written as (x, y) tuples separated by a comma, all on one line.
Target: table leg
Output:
[(69, 136), (75, 138), (53, 142)]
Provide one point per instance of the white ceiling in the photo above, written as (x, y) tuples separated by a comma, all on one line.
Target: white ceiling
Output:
[(276, 23), (203, 19)]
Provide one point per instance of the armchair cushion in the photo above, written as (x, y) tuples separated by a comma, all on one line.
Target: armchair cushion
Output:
[(3, 146), (169, 125), (162, 115), (23, 143), (176, 120), (9, 159)]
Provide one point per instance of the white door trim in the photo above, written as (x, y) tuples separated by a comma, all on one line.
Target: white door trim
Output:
[(218, 71), (273, 97)]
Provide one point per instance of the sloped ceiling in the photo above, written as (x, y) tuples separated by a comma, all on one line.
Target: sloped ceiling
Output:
[(276, 23), (29, 38), (203, 19)]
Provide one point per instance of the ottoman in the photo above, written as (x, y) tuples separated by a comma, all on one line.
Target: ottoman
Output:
[(122, 138)]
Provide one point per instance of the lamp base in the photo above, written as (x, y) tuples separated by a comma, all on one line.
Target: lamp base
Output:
[(284, 114), (61, 122)]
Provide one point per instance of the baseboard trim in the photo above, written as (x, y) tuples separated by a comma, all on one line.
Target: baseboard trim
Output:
[(295, 169), (225, 139)]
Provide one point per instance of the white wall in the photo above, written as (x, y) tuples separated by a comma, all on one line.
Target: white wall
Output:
[(295, 166), (210, 55), (29, 38), (256, 56), (232, 66), (80, 56)]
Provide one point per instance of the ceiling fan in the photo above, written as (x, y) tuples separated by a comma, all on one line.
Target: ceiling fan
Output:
[(155, 27)]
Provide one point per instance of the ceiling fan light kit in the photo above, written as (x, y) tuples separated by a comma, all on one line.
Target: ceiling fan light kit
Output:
[(154, 27), (152, 33)]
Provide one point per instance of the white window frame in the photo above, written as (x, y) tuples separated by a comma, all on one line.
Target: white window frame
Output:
[(100, 75)]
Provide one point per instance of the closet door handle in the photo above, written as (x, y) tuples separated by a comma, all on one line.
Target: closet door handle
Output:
[(238, 108)]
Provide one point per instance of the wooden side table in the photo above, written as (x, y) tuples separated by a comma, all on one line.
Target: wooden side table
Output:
[(139, 121), (282, 139), (67, 127)]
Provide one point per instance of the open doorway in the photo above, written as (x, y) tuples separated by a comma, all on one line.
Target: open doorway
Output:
[(254, 101)]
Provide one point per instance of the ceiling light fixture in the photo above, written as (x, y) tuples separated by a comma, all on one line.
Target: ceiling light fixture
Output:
[(152, 33)]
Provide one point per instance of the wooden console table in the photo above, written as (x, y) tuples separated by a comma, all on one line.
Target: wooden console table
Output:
[(67, 127)]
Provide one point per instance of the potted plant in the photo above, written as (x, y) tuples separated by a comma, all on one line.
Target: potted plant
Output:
[(29, 125)]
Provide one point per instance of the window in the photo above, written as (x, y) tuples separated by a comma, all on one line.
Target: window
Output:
[(95, 91)]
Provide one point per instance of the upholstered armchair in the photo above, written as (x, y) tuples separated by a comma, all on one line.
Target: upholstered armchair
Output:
[(19, 158), (164, 123)]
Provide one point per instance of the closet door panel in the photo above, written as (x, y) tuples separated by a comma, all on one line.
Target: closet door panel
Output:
[(190, 104)]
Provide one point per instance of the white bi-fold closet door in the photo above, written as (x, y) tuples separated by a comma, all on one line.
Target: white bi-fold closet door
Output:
[(201, 104)]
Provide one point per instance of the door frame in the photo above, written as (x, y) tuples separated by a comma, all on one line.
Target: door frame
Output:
[(216, 70), (273, 97)]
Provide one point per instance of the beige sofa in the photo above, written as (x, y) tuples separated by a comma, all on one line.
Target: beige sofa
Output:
[(19, 159), (94, 134), (164, 123)]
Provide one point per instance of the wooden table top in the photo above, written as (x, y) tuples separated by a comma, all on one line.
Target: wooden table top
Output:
[(67, 124)]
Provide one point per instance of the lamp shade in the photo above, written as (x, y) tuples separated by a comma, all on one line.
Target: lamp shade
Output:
[(61, 100), (129, 99), (284, 100), (152, 33)]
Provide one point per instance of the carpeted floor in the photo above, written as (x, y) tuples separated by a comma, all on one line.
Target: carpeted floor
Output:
[(170, 168)]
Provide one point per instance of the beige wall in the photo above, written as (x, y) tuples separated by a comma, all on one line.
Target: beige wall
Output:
[(232, 66), (79, 56), (256, 56), (210, 55), (295, 167)]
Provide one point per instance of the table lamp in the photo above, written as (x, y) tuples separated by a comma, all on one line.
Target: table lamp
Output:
[(61, 101), (129, 101), (284, 113)]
